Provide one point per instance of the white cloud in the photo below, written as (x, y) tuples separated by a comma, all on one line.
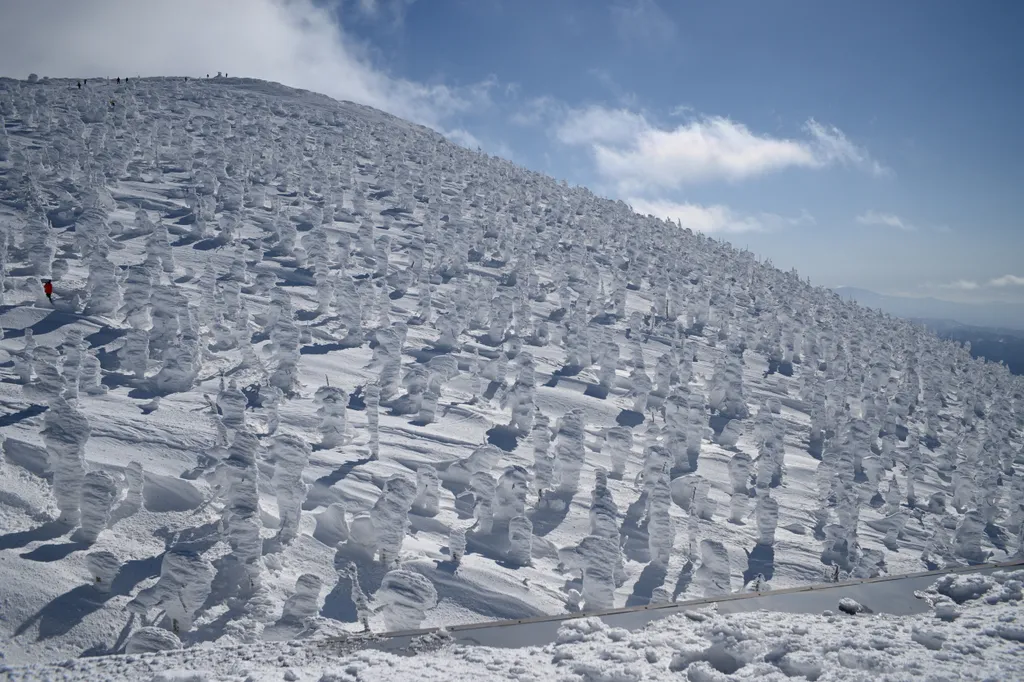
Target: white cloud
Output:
[(642, 21), (832, 146), (961, 285), (596, 125), (463, 137), (295, 42), (1007, 281), (874, 218), (640, 157), (715, 218)]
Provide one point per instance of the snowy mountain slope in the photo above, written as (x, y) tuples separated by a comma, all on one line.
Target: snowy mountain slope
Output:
[(298, 346)]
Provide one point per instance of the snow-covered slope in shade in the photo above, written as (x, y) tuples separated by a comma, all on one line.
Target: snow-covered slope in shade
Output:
[(973, 632), (316, 350)]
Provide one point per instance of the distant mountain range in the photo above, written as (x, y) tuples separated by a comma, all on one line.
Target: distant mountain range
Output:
[(994, 330), (994, 315)]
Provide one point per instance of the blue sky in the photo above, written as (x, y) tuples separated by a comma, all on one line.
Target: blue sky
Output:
[(873, 144)]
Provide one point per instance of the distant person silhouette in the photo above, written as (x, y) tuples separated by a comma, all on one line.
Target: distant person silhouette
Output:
[(118, 80), (48, 290), (79, 85)]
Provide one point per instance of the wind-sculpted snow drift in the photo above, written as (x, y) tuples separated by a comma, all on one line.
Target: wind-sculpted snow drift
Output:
[(311, 369)]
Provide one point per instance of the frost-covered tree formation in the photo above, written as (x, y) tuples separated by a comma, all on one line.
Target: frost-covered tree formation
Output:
[(372, 400), (104, 288), (457, 544), (103, 566), (404, 597), (427, 501), (232, 403), (390, 516), (597, 558), (570, 451), (660, 528), (284, 335), (291, 454), (65, 432), (49, 383), (134, 354), (237, 482), (304, 602), (186, 578), (73, 350), (332, 406), (543, 465), (24, 359), (713, 574), (99, 489)]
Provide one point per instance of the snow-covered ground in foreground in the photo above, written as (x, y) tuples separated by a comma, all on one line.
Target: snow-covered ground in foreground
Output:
[(974, 632), (309, 368)]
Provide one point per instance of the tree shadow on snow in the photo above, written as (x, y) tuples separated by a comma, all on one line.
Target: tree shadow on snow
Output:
[(505, 437), (633, 532), (629, 418), (51, 530), (325, 348), (567, 371), (760, 560), (320, 493), (684, 580), (53, 321), (650, 578), (551, 511), (56, 551), (104, 336), (63, 613), (22, 415)]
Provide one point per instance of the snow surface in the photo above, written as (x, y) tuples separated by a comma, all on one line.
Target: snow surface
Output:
[(974, 632), (217, 240)]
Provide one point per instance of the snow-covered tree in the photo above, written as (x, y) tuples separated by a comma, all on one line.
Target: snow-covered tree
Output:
[(98, 492), (404, 597), (332, 406), (185, 582), (292, 455), (65, 432), (570, 451), (427, 491), (304, 602), (390, 515)]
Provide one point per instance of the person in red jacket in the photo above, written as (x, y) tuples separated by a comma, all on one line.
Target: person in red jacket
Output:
[(48, 289)]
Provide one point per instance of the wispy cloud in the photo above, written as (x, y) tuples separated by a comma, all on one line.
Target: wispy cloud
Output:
[(641, 157), (390, 11), (1007, 281), (296, 42), (642, 21), (716, 218), (961, 285), (875, 218)]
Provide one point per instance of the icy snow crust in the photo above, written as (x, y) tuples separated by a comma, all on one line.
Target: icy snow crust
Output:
[(973, 632), (310, 369)]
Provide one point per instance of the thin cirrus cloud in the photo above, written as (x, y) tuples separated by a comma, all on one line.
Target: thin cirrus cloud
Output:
[(997, 282), (715, 218), (296, 42), (639, 156), (875, 218), (1007, 281)]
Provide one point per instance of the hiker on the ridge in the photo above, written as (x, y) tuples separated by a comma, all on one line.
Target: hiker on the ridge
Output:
[(48, 289), (79, 85), (118, 80)]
